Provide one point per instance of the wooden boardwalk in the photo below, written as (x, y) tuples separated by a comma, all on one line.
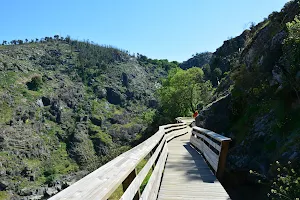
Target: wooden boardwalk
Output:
[(187, 175), (179, 171)]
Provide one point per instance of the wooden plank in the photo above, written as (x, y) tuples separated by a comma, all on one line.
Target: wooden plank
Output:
[(198, 144), (155, 177), (222, 159), (209, 155), (101, 183), (212, 134), (136, 195), (136, 183), (161, 165), (175, 128), (171, 125), (176, 133), (186, 174), (213, 144)]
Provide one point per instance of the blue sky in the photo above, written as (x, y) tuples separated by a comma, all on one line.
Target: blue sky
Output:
[(171, 29)]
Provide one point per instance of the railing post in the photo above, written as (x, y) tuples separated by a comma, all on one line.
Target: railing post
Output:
[(222, 159), (128, 181)]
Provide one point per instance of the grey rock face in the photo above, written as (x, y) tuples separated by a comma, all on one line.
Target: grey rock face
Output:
[(114, 97), (215, 117), (101, 92), (50, 192)]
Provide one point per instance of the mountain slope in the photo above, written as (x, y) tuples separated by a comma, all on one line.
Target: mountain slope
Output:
[(67, 107)]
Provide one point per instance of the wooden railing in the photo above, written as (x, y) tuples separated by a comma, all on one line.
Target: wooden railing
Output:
[(213, 146), (101, 183)]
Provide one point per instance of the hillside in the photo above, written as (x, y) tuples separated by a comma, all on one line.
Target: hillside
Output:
[(257, 103), (67, 107)]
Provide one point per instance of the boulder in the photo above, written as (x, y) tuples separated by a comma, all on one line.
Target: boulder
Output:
[(50, 192), (39, 102), (114, 96), (129, 95), (153, 103), (96, 121), (25, 192), (216, 116), (125, 79), (46, 101), (3, 185), (100, 92), (119, 119)]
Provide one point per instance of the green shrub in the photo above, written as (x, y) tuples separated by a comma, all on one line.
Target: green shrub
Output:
[(35, 83), (4, 195), (286, 185)]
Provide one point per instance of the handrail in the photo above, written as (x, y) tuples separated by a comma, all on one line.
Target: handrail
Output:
[(213, 146), (101, 183)]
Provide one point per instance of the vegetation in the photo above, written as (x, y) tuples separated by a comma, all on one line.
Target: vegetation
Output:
[(286, 184), (291, 50), (68, 107), (35, 83), (183, 92)]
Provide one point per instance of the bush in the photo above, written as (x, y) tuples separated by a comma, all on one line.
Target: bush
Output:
[(286, 185), (35, 83)]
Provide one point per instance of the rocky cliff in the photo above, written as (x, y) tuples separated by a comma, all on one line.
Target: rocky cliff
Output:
[(257, 102)]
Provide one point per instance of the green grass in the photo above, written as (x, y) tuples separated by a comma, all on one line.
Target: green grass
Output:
[(146, 179), (6, 112), (8, 78), (119, 191), (105, 138), (60, 161), (4, 195)]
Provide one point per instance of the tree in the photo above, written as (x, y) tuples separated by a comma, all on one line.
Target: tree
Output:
[(217, 73), (206, 70), (252, 25), (26, 40), (4, 42), (68, 39), (36, 40), (14, 42), (20, 41), (182, 91), (291, 62), (56, 37)]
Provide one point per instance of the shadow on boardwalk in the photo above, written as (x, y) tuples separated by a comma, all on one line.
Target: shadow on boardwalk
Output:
[(187, 175)]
